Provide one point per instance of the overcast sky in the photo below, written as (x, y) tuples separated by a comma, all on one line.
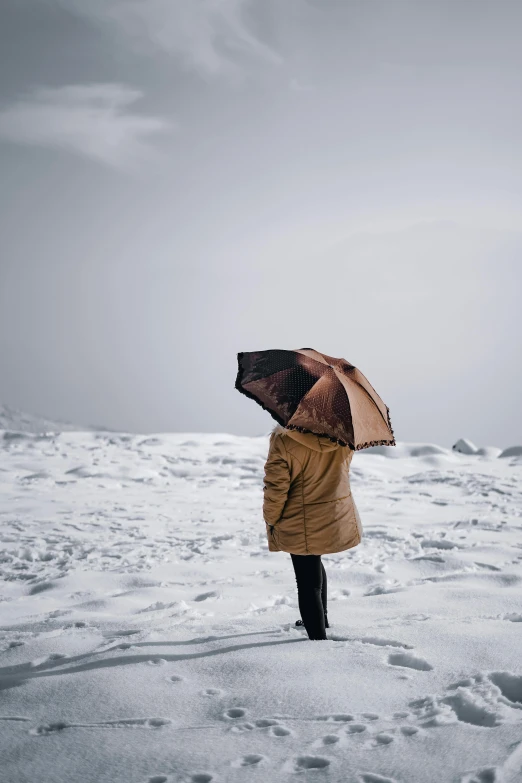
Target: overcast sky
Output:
[(183, 180)]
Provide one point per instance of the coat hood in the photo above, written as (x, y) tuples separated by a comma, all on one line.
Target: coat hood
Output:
[(308, 439)]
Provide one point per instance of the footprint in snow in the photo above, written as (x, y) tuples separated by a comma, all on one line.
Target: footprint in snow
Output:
[(460, 707), (409, 731), (377, 640), (382, 739), (355, 728), (200, 777), (249, 760), (158, 779), (337, 717), (234, 712), (481, 700), (372, 777), (339, 595), (380, 589), (206, 596), (212, 692), (305, 762), (410, 661), (279, 731), (240, 728), (510, 686), (328, 739), (174, 678)]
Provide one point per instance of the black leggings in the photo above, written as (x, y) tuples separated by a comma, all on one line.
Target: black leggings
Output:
[(311, 592)]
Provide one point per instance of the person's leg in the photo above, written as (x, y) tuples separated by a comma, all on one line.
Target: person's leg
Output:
[(324, 595), (309, 578)]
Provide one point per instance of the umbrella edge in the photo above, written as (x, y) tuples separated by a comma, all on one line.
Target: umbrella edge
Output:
[(386, 442), (251, 396)]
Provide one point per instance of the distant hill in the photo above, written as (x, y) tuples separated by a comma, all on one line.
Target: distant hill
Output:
[(12, 419)]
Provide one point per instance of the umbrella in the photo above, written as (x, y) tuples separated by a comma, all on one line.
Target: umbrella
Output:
[(310, 391)]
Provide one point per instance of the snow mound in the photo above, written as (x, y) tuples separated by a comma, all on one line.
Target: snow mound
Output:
[(489, 451), (403, 449), (512, 451)]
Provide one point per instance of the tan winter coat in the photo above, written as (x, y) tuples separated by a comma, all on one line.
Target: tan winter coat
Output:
[(308, 506)]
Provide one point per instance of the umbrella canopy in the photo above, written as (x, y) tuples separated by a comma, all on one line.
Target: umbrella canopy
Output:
[(310, 391)]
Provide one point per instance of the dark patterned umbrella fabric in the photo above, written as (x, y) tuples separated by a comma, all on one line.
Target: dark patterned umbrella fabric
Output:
[(310, 391)]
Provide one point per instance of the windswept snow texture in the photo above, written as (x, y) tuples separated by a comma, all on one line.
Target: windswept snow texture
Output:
[(147, 633)]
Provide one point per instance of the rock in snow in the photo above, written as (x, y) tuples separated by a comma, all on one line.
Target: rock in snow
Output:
[(465, 446)]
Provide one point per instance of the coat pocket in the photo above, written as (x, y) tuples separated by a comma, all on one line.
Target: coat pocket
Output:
[(273, 536)]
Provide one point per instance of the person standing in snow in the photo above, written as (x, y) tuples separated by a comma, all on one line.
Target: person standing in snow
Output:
[(309, 511)]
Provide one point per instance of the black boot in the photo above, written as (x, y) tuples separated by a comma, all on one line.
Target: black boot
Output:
[(299, 623)]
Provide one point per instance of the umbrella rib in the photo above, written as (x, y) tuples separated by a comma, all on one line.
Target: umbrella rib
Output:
[(311, 358), (387, 421), (370, 396)]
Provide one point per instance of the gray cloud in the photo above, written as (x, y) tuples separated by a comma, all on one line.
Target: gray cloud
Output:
[(210, 37), (89, 119)]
